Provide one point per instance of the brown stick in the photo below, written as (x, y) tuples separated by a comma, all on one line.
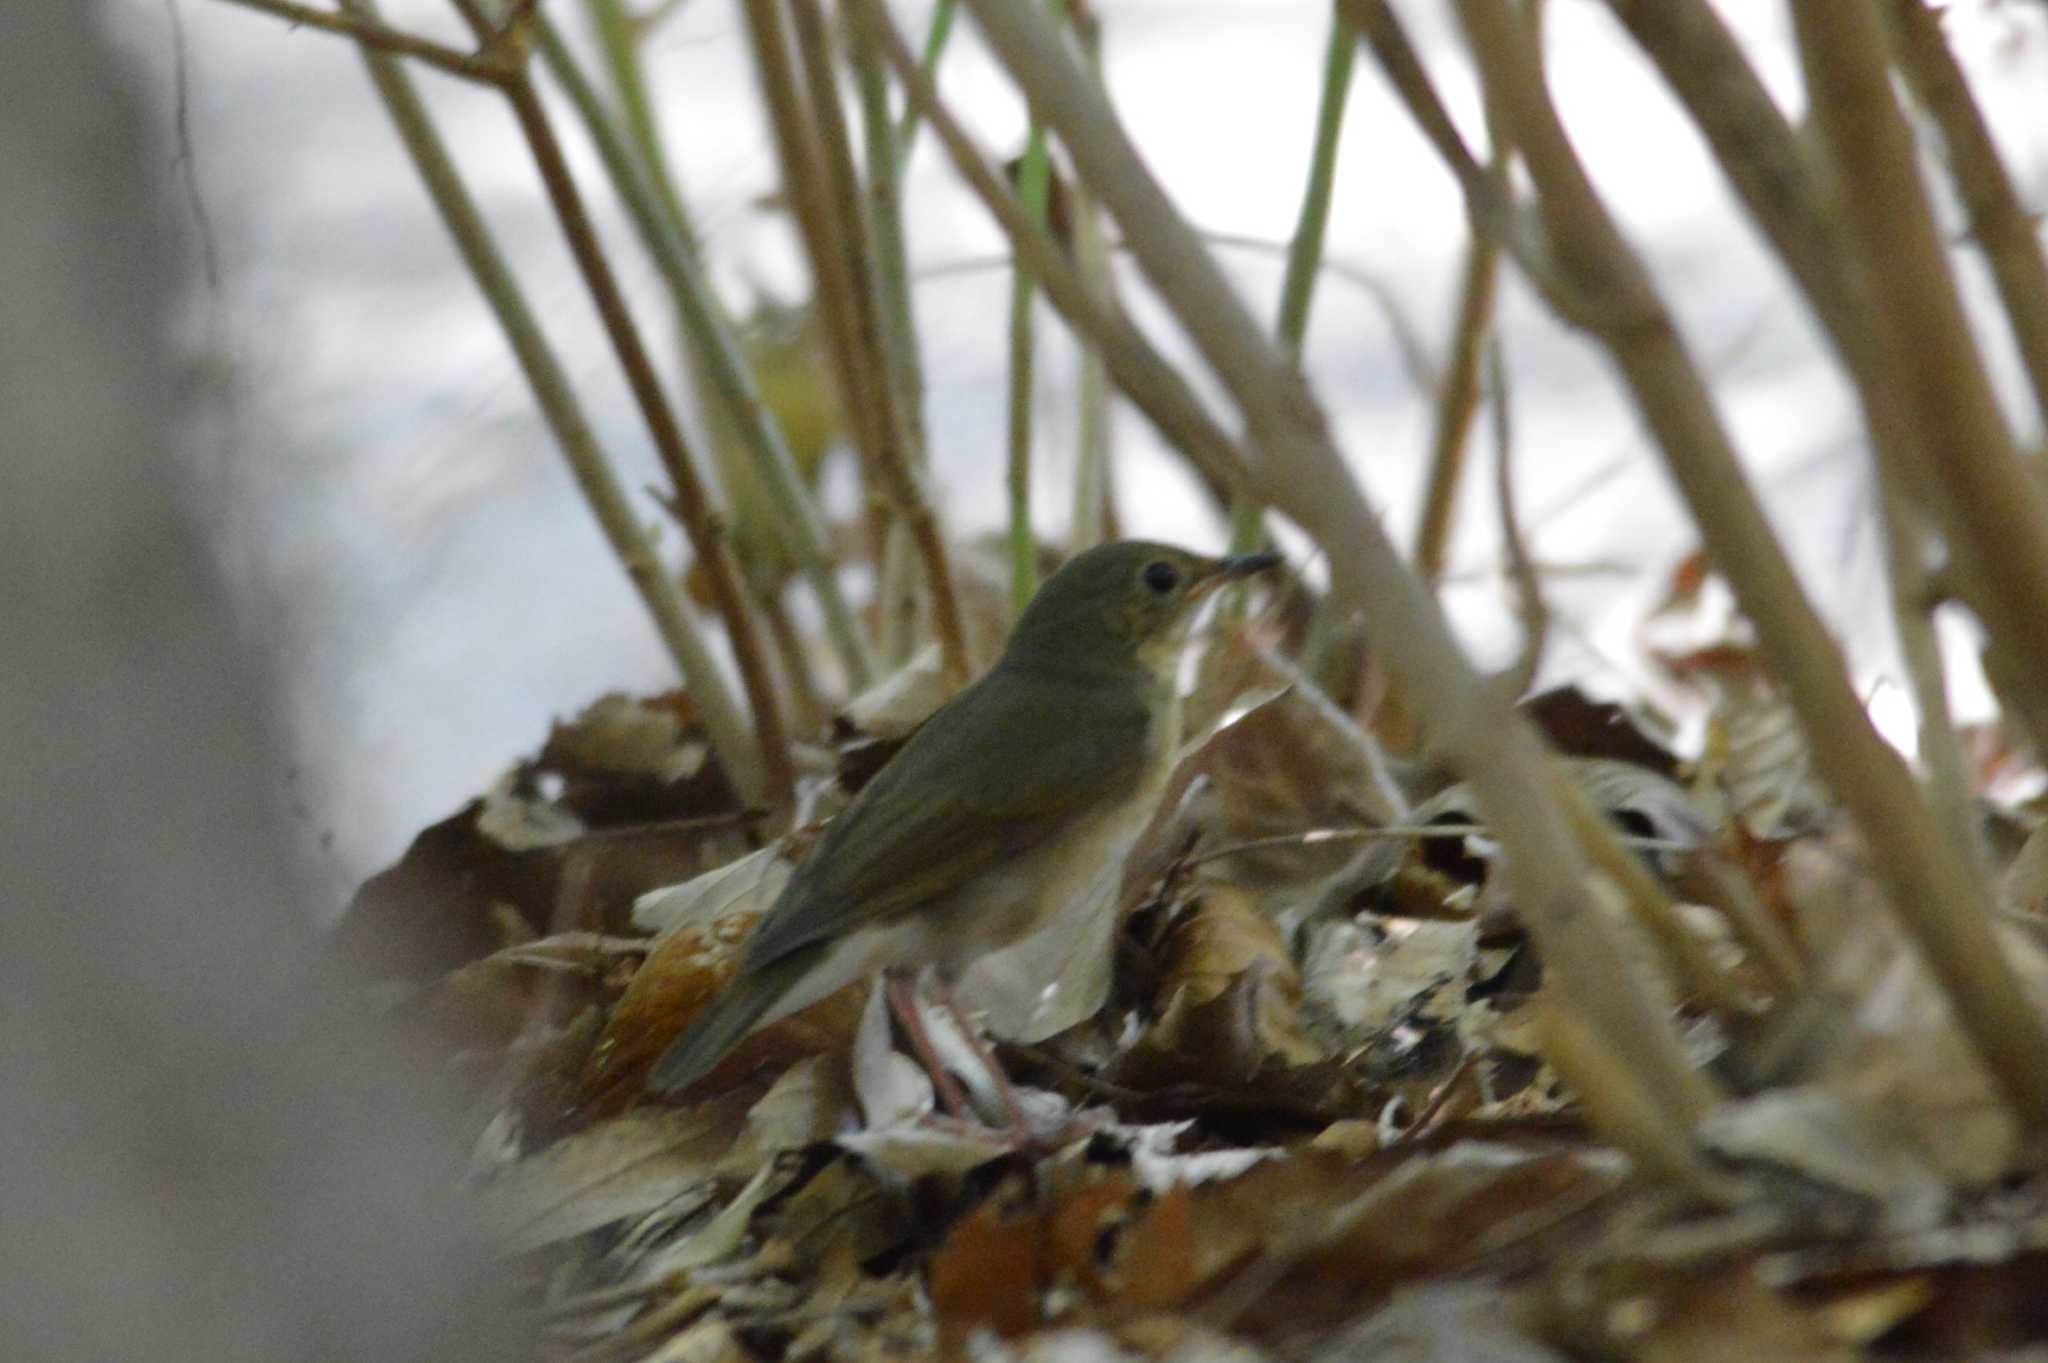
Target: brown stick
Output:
[(1998, 220), (1930, 885), (1143, 374), (492, 65), (796, 146), (1791, 194), (692, 501), (1300, 472), (1456, 405), (899, 480), (1994, 511)]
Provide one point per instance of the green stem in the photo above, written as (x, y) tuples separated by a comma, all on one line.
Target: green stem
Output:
[(1305, 252), (619, 36), (1091, 255), (1305, 256), (904, 370), (934, 47), (1032, 180)]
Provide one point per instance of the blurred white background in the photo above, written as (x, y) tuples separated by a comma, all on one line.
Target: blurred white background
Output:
[(433, 591)]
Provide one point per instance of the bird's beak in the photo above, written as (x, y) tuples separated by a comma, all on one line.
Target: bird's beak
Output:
[(1244, 565), (1231, 569)]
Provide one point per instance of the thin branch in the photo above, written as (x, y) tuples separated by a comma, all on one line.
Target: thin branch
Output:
[(1034, 184), (1408, 343), (1521, 564), (1311, 224), (1457, 405), (1930, 885), (1092, 514), (692, 502), (892, 253), (1305, 248), (935, 36), (897, 584), (1301, 473), (901, 481), (724, 724), (619, 35), (803, 180), (492, 65), (1992, 508), (1792, 195), (1150, 382), (1488, 201), (2001, 224), (716, 350)]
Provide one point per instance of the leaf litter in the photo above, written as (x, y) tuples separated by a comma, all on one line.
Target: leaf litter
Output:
[(1293, 1095)]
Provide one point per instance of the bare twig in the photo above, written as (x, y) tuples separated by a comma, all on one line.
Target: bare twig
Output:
[(897, 582), (491, 65), (656, 212), (1034, 178), (1791, 194), (1992, 508), (692, 501), (901, 481), (724, 724), (2001, 223), (935, 37), (1930, 884), (619, 35), (1521, 564), (1311, 224), (1092, 490), (1138, 368), (818, 175), (892, 253), (1457, 403), (1301, 473), (1305, 247), (811, 203), (1487, 198)]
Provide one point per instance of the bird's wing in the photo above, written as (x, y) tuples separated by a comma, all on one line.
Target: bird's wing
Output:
[(962, 796)]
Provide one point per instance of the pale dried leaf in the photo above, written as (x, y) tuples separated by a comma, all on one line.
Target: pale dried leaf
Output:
[(1447, 1322), (808, 1103), (893, 1089), (1846, 1145), (620, 733), (746, 886), (711, 1340), (523, 823), (616, 1169), (901, 701)]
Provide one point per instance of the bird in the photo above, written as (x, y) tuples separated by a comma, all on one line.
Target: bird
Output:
[(1003, 805)]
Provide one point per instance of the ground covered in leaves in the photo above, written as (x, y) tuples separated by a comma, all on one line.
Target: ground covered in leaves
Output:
[(1295, 1085)]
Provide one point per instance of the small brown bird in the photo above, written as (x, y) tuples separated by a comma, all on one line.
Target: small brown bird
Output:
[(1001, 807)]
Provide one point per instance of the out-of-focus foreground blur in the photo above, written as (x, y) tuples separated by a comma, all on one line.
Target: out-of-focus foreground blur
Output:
[(201, 1157)]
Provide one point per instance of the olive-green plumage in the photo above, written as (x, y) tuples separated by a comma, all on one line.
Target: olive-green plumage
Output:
[(1009, 799)]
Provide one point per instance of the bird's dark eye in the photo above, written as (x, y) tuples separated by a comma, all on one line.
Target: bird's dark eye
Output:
[(1162, 577)]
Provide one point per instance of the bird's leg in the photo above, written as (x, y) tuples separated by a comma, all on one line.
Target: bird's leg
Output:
[(1004, 1090), (902, 995)]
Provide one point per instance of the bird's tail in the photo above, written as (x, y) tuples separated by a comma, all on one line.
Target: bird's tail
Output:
[(739, 1007)]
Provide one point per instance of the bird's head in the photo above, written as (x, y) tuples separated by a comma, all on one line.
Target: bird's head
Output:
[(1123, 604)]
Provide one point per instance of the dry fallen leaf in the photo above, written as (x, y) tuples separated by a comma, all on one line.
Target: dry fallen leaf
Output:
[(604, 1173)]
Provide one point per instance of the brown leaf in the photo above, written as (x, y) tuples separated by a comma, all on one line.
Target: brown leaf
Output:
[(989, 1274), (1733, 1318), (684, 973), (1580, 726)]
